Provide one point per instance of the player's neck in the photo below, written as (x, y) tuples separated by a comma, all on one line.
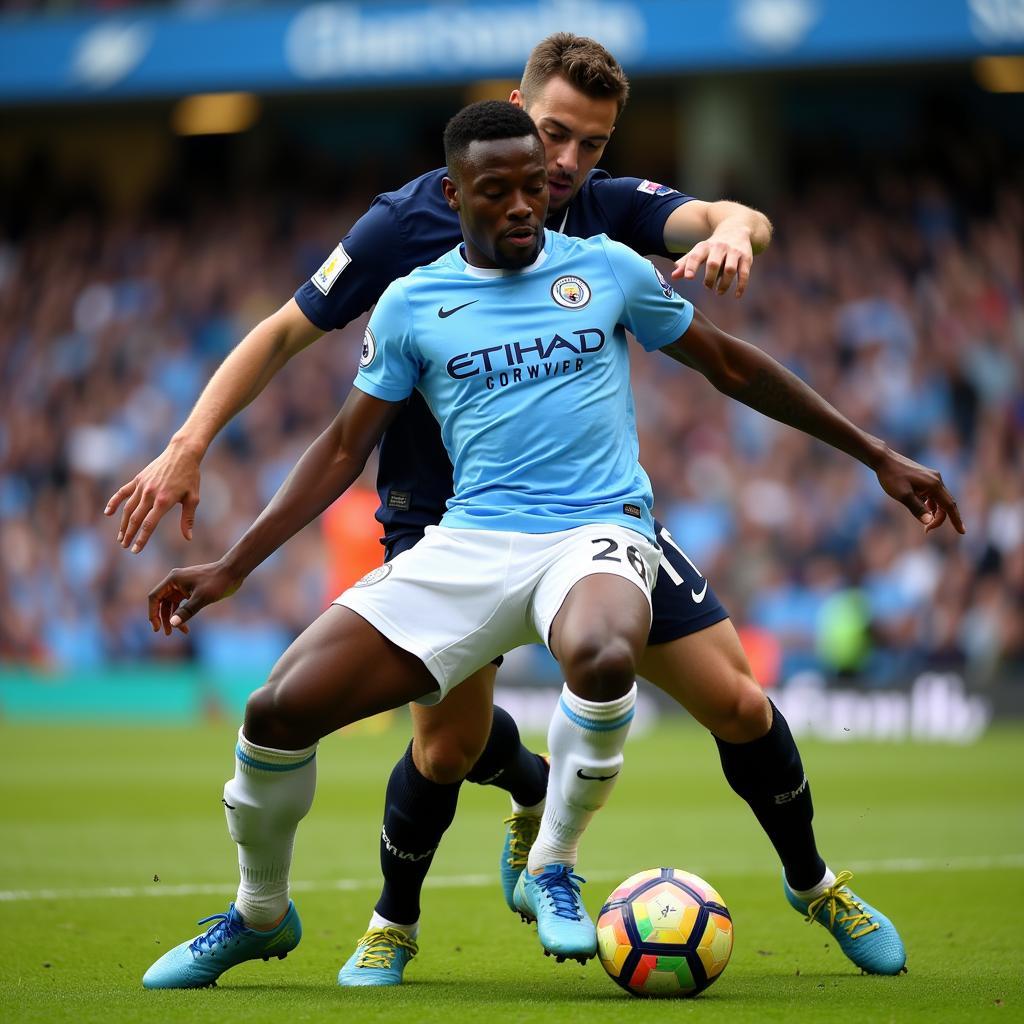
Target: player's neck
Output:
[(475, 270)]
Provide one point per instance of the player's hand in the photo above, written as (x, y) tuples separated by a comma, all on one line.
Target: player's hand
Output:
[(183, 593), (171, 478), (727, 256), (919, 488)]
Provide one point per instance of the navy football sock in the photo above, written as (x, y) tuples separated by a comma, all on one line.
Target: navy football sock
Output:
[(769, 775), (417, 813), (507, 764)]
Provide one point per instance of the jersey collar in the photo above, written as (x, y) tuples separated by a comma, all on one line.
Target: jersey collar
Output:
[(487, 273)]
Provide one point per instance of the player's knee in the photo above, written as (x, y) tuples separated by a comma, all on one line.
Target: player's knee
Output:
[(262, 724), (273, 720), (445, 759), (600, 668), (746, 715)]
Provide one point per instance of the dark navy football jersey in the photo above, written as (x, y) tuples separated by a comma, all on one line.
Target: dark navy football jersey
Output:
[(412, 227)]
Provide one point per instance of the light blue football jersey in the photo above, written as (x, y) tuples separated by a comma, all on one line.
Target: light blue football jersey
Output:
[(527, 373)]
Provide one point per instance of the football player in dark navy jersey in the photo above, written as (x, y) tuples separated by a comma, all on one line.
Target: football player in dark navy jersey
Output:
[(574, 90)]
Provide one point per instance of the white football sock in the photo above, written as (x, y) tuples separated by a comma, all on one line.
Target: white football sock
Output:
[(270, 794), (585, 739), (813, 893), (376, 921)]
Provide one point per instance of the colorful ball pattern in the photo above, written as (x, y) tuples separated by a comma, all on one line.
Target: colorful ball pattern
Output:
[(664, 932)]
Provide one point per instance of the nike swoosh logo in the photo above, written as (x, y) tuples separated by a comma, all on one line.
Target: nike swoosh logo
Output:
[(442, 312), (594, 778), (697, 598), (227, 805)]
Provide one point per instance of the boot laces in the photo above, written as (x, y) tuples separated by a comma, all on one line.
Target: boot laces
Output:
[(843, 909), (562, 888), (227, 927), (523, 829), (380, 946)]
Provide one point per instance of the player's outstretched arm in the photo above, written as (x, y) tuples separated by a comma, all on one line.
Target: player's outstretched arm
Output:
[(172, 478), (732, 234), (742, 371), (328, 467)]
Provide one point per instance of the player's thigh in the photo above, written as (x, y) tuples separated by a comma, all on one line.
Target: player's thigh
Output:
[(600, 608), (449, 737), (708, 673), (444, 600), (595, 591), (338, 671)]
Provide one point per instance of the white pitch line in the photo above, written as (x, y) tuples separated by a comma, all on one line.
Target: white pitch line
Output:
[(901, 865)]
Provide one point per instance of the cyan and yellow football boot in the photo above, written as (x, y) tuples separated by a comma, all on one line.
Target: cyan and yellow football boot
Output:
[(519, 838), (379, 959), (864, 934)]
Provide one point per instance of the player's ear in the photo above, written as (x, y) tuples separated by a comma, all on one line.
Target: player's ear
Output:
[(451, 193), (516, 99)]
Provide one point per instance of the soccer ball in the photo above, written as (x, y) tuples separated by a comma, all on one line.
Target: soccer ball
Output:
[(664, 932)]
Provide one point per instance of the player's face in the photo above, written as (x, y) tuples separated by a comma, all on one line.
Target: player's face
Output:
[(574, 129), (500, 191)]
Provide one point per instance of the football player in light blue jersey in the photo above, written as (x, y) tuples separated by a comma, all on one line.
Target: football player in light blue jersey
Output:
[(527, 372), (418, 625)]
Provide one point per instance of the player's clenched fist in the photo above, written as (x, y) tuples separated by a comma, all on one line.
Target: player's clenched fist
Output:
[(182, 593)]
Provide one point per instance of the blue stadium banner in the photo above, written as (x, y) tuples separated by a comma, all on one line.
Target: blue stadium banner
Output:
[(331, 45)]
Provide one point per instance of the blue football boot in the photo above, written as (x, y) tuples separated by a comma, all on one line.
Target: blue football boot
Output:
[(379, 959), (226, 943), (864, 934), (553, 900), (519, 838)]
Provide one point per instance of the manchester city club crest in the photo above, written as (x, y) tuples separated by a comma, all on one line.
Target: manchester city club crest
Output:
[(369, 348), (374, 576), (571, 292)]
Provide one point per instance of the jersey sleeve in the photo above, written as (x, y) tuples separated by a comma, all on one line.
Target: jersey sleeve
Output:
[(390, 365), (636, 211), (356, 273), (652, 309)]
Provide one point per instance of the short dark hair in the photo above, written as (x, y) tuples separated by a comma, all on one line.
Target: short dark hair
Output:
[(483, 122), (584, 63)]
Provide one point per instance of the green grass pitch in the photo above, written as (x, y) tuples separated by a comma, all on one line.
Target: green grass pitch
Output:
[(113, 845)]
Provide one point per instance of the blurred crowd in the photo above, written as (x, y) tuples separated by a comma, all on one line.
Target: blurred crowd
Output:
[(893, 301)]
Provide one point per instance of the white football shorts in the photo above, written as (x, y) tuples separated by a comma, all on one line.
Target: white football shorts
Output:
[(459, 598)]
